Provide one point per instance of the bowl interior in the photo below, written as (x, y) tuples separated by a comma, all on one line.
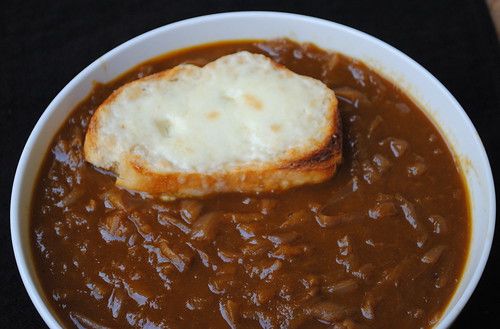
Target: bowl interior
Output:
[(420, 85)]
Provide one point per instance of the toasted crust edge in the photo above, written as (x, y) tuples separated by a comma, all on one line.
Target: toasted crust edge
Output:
[(316, 167)]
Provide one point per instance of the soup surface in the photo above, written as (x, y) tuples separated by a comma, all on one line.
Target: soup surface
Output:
[(382, 244)]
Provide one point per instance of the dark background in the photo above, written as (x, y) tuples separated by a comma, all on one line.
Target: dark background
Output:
[(43, 45)]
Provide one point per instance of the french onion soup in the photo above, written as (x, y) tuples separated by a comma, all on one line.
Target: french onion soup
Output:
[(378, 240)]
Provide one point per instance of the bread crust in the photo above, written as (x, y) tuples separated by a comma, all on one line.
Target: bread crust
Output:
[(314, 168), (132, 173)]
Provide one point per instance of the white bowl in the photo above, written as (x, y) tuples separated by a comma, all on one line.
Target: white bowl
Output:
[(418, 83)]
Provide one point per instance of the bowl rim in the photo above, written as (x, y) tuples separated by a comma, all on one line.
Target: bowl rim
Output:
[(50, 317)]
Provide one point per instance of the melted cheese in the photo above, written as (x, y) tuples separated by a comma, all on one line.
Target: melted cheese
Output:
[(240, 110)]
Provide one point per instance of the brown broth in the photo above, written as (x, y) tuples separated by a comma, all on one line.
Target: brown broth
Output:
[(382, 244)]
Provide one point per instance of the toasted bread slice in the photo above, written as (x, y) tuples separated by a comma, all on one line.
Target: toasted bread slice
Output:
[(241, 123)]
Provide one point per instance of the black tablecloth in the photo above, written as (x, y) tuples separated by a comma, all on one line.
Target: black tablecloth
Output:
[(45, 44)]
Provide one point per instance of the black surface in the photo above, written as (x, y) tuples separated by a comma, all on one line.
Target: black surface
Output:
[(43, 45)]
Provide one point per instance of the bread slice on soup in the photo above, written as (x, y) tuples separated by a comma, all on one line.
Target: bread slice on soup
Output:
[(241, 123)]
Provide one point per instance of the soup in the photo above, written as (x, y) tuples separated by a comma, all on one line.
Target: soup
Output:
[(382, 244)]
